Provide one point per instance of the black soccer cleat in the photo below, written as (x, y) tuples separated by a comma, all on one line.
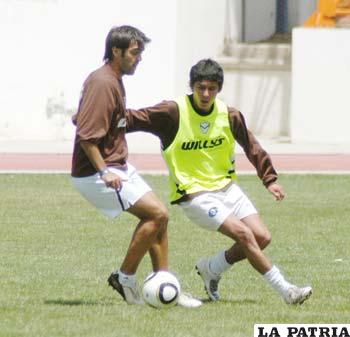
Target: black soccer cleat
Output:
[(129, 292)]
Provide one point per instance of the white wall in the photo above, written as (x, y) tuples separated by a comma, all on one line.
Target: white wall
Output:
[(263, 96), (49, 47), (320, 86), (200, 31), (200, 28)]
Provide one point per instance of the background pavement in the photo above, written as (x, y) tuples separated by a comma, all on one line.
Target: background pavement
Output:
[(46, 156)]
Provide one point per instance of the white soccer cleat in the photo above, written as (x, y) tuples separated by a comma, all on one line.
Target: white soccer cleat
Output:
[(211, 281), (187, 301), (296, 295)]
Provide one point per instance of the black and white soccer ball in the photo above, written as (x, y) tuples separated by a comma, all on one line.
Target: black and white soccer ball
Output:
[(161, 289)]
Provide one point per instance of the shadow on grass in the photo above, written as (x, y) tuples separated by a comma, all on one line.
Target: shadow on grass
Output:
[(246, 301), (63, 302), (77, 302)]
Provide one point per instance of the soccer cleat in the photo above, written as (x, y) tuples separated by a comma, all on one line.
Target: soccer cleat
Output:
[(129, 292), (296, 295), (211, 281), (187, 301)]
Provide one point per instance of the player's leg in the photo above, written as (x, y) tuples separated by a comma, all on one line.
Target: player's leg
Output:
[(212, 268), (159, 251), (260, 232), (231, 202), (210, 211), (136, 197), (150, 234), (151, 231), (244, 236)]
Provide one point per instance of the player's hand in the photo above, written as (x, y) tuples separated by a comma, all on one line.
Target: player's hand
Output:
[(113, 180), (277, 191)]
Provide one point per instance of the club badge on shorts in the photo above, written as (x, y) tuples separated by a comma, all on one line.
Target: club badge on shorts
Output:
[(213, 211)]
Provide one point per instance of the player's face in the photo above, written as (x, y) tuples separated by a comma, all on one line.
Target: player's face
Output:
[(204, 94), (130, 59)]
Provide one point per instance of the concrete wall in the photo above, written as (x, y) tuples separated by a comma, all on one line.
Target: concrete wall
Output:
[(49, 47), (320, 86), (259, 20), (263, 96), (299, 11), (199, 34)]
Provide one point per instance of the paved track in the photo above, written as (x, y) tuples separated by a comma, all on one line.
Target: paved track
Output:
[(325, 163)]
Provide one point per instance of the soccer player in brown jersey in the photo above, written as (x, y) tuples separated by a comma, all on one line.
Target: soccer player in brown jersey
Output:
[(100, 170)]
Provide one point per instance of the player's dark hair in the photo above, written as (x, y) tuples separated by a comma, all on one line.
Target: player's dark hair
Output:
[(207, 70), (121, 37)]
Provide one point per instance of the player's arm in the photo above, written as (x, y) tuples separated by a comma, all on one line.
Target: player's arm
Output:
[(162, 120), (93, 121), (93, 153), (259, 158), (276, 190)]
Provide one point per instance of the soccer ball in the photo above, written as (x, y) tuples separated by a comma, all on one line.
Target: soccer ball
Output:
[(161, 289)]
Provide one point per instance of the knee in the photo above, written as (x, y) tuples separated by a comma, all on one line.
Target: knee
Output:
[(245, 236), (264, 239), (160, 218)]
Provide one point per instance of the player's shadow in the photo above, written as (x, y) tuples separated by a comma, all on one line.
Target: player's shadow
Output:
[(76, 302), (246, 301)]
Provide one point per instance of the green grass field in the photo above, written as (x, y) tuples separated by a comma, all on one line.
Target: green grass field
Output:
[(57, 252)]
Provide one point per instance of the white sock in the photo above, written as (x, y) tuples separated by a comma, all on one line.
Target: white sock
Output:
[(127, 279), (218, 263), (277, 280)]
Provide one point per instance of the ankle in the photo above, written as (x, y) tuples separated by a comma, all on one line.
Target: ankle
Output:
[(126, 279)]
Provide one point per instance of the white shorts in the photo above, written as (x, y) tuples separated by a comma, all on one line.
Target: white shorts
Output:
[(109, 201), (210, 210)]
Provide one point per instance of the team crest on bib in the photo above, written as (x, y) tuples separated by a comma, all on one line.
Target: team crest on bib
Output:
[(204, 126)]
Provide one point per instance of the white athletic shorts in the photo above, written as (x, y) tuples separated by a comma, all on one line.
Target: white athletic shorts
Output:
[(209, 210), (108, 200)]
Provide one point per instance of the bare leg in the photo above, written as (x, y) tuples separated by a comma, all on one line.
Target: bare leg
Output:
[(261, 233), (247, 246), (159, 251), (246, 243), (150, 234)]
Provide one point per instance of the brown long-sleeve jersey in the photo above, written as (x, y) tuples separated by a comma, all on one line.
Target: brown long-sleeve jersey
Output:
[(101, 119), (162, 120)]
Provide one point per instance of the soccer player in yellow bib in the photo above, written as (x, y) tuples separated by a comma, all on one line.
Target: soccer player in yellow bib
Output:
[(198, 133)]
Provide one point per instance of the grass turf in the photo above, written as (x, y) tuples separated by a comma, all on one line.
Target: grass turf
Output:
[(57, 252)]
